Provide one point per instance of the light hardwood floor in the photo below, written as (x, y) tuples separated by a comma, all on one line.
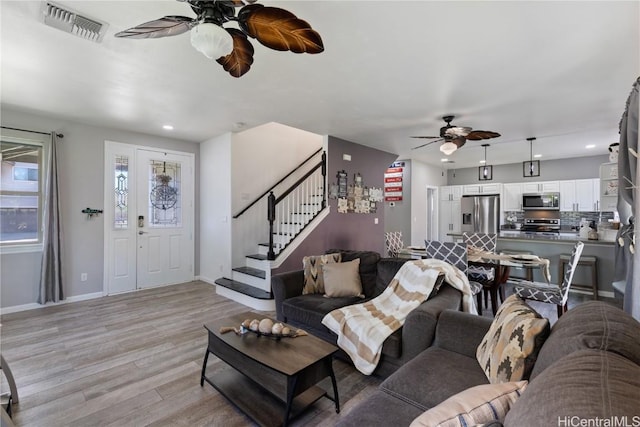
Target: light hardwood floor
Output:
[(135, 360)]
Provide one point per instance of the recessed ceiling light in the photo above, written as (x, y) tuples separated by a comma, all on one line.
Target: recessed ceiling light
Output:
[(537, 156), (167, 127), (483, 161), (444, 160), (590, 146)]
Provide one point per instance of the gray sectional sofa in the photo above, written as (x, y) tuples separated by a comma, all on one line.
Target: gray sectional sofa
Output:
[(306, 311), (588, 368)]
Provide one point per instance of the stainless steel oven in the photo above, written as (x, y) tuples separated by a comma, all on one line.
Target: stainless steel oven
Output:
[(541, 201)]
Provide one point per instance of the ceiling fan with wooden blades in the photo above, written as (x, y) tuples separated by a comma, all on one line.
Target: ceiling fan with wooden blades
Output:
[(273, 27), (455, 137)]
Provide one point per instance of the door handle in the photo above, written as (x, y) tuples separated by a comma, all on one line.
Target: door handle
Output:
[(142, 232)]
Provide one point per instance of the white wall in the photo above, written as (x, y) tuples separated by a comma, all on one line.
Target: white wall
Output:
[(81, 157), (260, 157), (422, 175), (215, 206)]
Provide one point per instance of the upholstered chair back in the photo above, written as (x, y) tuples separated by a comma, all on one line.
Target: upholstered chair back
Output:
[(453, 253)]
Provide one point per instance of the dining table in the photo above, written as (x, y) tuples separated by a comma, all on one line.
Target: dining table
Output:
[(501, 262)]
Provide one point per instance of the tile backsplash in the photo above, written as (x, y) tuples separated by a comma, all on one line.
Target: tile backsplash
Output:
[(568, 219)]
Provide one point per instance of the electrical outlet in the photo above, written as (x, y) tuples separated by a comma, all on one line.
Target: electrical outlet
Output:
[(83, 277)]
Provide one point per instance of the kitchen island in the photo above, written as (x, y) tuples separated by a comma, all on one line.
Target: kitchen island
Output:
[(551, 246)]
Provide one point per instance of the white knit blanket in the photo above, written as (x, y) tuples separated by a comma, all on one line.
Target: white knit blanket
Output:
[(362, 328)]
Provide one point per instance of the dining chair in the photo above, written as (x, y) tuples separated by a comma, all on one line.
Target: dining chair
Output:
[(393, 242), (481, 272), (456, 255), (550, 292)]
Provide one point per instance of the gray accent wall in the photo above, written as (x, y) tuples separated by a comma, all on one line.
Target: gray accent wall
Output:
[(82, 184), (350, 230), (550, 170)]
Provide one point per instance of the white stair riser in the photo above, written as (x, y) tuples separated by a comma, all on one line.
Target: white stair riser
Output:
[(258, 263), (254, 281), (309, 208), (255, 303), (286, 227), (264, 250), (282, 239), (301, 217)]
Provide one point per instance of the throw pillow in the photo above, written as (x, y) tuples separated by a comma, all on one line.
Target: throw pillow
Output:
[(509, 349), (479, 404), (342, 279), (312, 266)]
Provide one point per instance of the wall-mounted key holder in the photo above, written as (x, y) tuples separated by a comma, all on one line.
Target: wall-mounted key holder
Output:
[(91, 212)]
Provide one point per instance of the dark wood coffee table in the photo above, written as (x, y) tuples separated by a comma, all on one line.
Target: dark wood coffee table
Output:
[(288, 369)]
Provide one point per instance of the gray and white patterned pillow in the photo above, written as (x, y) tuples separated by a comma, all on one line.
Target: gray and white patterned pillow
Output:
[(509, 349)]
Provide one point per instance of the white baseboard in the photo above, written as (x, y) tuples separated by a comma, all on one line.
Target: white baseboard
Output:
[(35, 305)]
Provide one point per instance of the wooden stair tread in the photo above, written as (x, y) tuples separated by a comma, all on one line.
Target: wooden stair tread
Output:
[(257, 256), (255, 272), (243, 288)]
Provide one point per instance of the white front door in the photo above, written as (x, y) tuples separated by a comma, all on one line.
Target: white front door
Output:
[(165, 218), (148, 217)]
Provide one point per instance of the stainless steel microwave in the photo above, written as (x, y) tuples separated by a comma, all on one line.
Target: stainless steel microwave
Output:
[(541, 201)]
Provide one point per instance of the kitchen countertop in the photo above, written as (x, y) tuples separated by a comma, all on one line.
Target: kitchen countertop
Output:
[(559, 238)]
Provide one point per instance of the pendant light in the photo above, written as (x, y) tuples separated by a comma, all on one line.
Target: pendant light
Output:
[(485, 172), (532, 167)]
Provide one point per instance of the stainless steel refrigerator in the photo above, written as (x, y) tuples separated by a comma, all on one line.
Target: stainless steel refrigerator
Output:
[(481, 214)]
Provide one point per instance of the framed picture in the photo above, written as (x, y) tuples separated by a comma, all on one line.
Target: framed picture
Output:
[(531, 168)]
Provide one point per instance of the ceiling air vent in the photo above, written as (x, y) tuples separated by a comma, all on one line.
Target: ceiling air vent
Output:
[(68, 20)]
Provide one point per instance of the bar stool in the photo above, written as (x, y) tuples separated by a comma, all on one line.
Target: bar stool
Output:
[(586, 261)]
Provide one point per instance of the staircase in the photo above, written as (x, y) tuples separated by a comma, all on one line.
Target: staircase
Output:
[(290, 217)]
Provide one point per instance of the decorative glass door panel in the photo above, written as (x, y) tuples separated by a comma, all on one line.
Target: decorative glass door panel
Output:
[(121, 192), (165, 207)]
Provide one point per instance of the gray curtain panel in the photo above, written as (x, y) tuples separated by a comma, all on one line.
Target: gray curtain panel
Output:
[(627, 201), (51, 277)]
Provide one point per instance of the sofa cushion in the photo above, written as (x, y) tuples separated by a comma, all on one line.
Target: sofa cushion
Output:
[(480, 404), (313, 274), (310, 309), (368, 267), (386, 270), (595, 325), (379, 409), (584, 385), (420, 381), (510, 347), (342, 279)]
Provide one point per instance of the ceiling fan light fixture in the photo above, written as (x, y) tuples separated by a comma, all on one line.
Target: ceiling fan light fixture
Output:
[(448, 148), (212, 40)]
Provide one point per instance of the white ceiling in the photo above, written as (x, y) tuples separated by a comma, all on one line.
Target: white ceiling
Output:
[(558, 71)]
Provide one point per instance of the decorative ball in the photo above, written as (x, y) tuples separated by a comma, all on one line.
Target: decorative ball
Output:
[(254, 325), (265, 326), (285, 330), (276, 329)]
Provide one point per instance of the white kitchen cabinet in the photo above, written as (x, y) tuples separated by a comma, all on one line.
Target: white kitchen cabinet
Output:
[(450, 219), (541, 187), (451, 192), (476, 189), (567, 196), (608, 187), (512, 197), (579, 195)]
